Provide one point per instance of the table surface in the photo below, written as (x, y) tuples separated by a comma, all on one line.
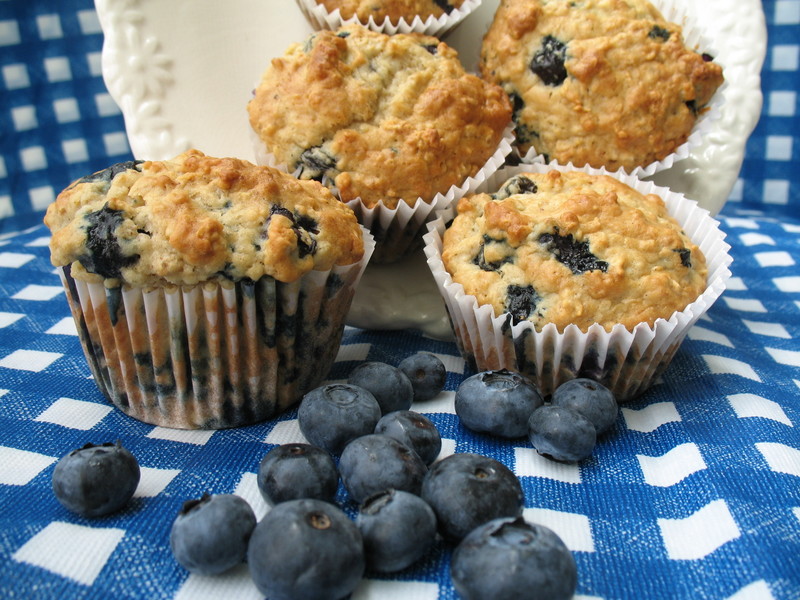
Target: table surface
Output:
[(694, 494)]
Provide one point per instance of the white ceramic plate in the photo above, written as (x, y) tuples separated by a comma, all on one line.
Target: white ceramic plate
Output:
[(182, 72)]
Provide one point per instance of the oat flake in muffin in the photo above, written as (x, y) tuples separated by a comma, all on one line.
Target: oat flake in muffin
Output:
[(382, 118), (573, 248), (606, 83)]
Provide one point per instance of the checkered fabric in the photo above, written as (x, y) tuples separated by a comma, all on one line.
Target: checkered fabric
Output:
[(57, 120), (769, 176), (694, 494)]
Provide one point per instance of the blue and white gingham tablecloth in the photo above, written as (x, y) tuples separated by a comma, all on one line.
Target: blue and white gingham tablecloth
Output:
[(694, 495)]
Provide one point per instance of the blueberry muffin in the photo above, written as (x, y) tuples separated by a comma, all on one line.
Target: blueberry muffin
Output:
[(384, 119), (394, 10), (573, 248), (605, 83), (197, 219), (208, 292)]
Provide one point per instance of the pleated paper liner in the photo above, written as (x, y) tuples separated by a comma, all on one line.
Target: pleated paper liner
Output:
[(626, 361), (319, 18), (214, 355)]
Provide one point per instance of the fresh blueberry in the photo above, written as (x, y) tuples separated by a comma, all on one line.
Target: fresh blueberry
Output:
[(466, 490), (390, 386), (497, 402), (210, 535), (332, 415), (510, 558), (561, 433), (306, 549), (397, 527), (414, 430), (591, 399), (96, 480), (548, 61), (373, 463), (427, 374), (292, 471)]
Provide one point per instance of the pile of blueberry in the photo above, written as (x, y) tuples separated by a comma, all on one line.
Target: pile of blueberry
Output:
[(401, 499), (506, 404)]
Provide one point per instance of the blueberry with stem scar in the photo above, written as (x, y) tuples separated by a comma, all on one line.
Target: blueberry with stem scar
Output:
[(397, 528), (297, 470), (210, 535), (466, 490), (306, 549), (511, 558), (96, 480), (414, 430)]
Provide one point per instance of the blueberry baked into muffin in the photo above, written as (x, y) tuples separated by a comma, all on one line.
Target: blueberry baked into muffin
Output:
[(394, 10), (208, 292), (605, 83), (390, 123), (573, 248)]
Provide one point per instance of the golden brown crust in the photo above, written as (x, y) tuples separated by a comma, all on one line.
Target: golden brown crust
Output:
[(394, 10), (631, 91), (197, 218), (579, 249), (384, 117)]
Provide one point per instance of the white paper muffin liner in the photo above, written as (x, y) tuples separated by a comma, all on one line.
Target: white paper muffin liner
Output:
[(627, 362), (214, 355), (320, 18), (398, 231), (694, 36)]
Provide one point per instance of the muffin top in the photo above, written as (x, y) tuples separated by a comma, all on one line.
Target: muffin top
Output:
[(378, 117), (394, 10), (606, 83), (573, 248), (196, 218)]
